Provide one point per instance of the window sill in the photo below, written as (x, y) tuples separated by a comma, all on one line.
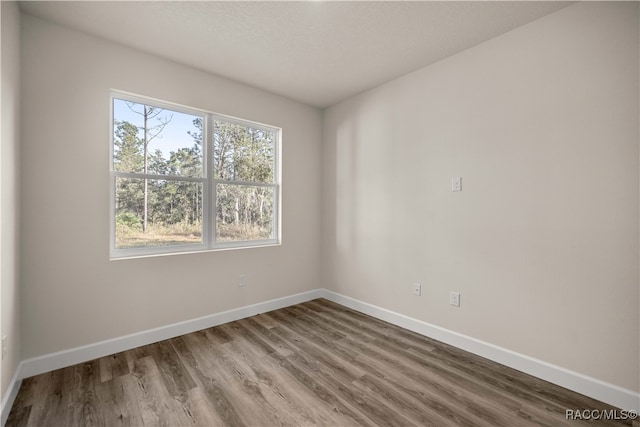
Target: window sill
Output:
[(119, 256)]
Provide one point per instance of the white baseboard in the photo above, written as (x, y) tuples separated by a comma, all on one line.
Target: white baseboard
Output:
[(10, 396), (61, 359), (588, 386)]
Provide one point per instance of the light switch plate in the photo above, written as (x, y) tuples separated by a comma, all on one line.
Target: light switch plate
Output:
[(456, 183)]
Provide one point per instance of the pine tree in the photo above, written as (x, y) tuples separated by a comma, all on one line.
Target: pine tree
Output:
[(149, 132)]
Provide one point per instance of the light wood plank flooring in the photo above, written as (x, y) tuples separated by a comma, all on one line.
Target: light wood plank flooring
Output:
[(313, 364)]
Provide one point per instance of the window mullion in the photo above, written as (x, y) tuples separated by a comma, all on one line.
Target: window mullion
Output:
[(157, 177), (246, 183), (211, 193)]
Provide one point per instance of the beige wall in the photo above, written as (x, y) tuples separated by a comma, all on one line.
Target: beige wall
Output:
[(9, 176), (72, 294), (541, 123), (542, 243)]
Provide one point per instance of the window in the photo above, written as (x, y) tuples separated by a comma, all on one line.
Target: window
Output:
[(188, 180)]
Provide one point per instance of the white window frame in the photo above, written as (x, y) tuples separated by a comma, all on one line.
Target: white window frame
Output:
[(208, 181)]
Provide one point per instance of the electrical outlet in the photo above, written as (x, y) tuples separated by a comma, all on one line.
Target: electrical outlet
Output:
[(417, 289), (242, 281), (454, 299), (4, 347)]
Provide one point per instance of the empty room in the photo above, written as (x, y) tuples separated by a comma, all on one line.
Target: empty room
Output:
[(320, 213)]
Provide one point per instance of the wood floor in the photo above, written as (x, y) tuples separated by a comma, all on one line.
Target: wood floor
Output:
[(313, 364)]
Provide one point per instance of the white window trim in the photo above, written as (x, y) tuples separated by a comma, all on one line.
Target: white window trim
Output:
[(209, 191)]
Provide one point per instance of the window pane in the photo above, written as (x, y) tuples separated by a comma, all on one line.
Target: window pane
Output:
[(148, 139), (173, 213), (244, 212), (243, 153)]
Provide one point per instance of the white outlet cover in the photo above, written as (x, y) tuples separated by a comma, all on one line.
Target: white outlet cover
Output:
[(454, 299), (456, 183)]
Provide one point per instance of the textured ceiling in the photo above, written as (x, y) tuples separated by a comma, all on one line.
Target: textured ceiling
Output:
[(315, 52)]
